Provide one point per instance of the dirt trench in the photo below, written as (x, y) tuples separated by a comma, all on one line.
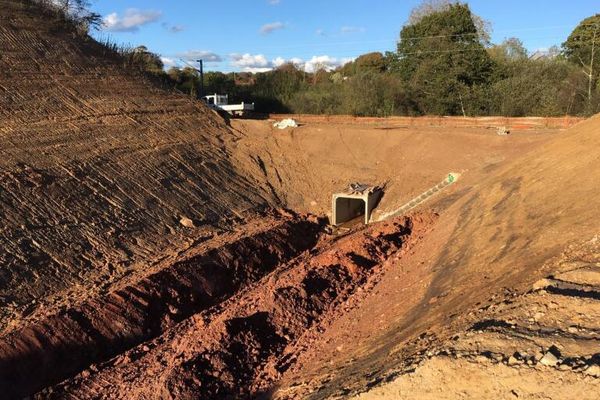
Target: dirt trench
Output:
[(62, 344), (239, 348)]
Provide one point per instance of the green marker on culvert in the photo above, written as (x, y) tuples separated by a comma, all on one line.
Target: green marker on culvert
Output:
[(422, 198)]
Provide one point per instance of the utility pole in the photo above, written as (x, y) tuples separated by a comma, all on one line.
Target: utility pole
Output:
[(591, 74), (201, 70)]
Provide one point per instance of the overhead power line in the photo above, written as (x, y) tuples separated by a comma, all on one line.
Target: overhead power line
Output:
[(341, 54)]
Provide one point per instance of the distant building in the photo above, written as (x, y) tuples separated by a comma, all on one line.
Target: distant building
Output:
[(545, 54)]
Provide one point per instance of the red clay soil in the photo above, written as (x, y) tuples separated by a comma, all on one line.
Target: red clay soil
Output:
[(239, 348), (62, 344)]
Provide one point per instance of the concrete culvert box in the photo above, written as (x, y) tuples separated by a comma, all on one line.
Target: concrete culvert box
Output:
[(359, 199)]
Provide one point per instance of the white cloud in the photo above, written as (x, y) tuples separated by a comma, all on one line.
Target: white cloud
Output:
[(256, 70), (269, 28), (351, 29), (279, 61), (249, 61), (325, 62), (274, 2), (131, 20), (207, 56), (259, 63), (320, 32), (168, 62)]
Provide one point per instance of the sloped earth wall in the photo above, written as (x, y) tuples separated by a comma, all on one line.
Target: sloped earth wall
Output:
[(98, 167)]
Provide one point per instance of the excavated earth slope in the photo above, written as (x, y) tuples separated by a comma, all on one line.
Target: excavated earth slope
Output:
[(140, 308), (240, 348), (468, 290), (133, 263), (305, 165), (97, 167)]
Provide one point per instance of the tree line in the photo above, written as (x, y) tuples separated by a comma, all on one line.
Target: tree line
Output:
[(444, 64)]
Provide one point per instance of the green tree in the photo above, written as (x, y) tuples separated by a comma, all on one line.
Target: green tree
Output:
[(374, 94), (370, 62), (544, 87), (428, 7), (220, 83), (186, 80), (583, 48), (274, 89), (443, 61), (510, 49)]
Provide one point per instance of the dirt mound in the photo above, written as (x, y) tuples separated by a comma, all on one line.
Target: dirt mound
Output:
[(242, 346), (98, 166)]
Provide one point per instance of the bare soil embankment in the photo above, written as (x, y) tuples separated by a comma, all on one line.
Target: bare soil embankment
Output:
[(302, 167), (137, 261), (97, 168), (136, 310), (539, 344), (524, 222)]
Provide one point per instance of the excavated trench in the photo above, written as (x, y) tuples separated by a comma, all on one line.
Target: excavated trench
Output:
[(240, 347), (61, 345), (225, 320)]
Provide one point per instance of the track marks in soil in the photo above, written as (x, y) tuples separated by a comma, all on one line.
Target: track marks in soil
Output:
[(97, 172)]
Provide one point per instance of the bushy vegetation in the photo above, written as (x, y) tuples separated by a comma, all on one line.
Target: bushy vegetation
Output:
[(444, 65)]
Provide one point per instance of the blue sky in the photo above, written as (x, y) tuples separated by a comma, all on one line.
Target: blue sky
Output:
[(254, 35)]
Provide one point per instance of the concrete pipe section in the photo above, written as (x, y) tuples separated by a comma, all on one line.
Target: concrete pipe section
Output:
[(358, 199)]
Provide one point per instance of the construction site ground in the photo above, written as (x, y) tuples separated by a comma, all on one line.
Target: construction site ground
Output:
[(150, 249)]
